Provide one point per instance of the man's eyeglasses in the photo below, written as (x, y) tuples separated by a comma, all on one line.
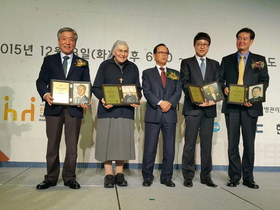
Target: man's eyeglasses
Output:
[(202, 45), (163, 53)]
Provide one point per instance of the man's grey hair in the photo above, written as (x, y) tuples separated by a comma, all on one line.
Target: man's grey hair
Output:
[(69, 30)]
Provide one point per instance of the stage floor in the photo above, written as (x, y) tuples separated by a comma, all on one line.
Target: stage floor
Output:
[(18, 191)]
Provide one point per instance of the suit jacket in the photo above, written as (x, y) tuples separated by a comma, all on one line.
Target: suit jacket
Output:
[(191, 74), (52, 69), (229, 75), (154, 91)]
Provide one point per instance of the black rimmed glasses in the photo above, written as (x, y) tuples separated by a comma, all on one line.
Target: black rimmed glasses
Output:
[(163, 53), (202, 45)]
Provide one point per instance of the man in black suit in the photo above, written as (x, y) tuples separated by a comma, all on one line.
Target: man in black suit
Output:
[(199, 118), (62, 66), (237, 68), (162, 89)]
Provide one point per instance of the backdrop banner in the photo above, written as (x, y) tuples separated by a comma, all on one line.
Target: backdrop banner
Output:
[(29, 33)]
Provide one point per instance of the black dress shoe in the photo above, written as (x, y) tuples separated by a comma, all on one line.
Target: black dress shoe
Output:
[(109, 181), (45, 185), (251, 184), (120, 180), (168, 183), (188, 183), (72, 184), (232, 183), (147, 182), (208, 182)]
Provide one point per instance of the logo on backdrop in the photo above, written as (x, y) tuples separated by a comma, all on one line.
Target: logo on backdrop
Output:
[(41, 114), (25, 115), (216, 127), (278, 129), (14, 114), (259, 128)]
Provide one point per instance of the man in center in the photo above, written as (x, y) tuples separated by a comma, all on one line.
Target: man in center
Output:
[(199, 118), (162, 89)]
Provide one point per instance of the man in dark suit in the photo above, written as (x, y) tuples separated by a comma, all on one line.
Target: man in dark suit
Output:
[(199, 118), (62, 66), (162, 89), (237, 68)]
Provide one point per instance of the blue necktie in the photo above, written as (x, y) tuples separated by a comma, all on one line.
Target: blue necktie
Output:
[(202, 67)]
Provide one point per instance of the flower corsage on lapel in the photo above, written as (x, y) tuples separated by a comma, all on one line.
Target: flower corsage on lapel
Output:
[(172, 75), (80, 63), (259, 65)]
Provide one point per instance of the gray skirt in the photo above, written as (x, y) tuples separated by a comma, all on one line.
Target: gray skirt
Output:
[(115, 139)]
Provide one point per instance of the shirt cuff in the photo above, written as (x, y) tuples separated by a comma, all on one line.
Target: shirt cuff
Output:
[(45, 95)]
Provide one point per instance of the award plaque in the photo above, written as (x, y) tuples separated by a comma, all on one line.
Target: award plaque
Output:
[(119, 94), (208, 92), (237, 94), (240, 94), (60, 91), (71, 93), (196, 94)]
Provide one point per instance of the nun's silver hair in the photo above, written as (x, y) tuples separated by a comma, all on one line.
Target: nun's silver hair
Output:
[(116, 44)]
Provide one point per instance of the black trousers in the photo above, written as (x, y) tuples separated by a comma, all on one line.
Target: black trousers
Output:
[(202, 125), (237, 120)]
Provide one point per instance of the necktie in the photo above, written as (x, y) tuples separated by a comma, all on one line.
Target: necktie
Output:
[(214, 96), (163, 76), (241, 69), (64, 64), (202, 67)]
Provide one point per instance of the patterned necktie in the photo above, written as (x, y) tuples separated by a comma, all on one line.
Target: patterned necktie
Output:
[(163, 76), (64, 64), (202, 67), (241, 68)]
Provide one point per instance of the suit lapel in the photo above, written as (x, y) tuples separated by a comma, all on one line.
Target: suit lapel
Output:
[(248, 63), (167, 80), (59, 64), (234, 60), (157, 76), (196, 69), (208, 69)]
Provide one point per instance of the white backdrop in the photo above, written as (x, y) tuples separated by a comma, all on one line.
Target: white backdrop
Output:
[(28, 33)]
